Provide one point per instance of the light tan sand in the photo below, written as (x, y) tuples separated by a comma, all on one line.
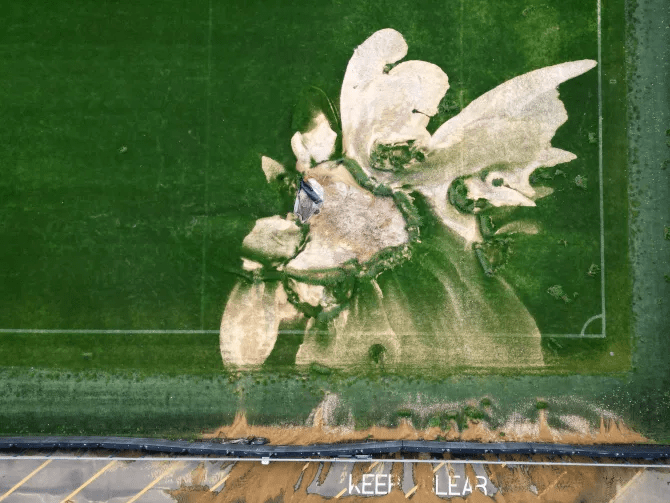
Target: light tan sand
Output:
[(352, 223), (497, 196), (273, 237), (250, 323), (393, 107), (311, 294), (320, 139), (517, 227), (250, 265), (511, 125), (271, 168), (376, 318), (317, 145)]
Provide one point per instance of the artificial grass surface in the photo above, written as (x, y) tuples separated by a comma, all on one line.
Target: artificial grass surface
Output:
[(134, 135), (131, 148)]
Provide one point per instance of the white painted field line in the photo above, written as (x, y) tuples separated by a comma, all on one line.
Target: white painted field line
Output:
[(411, 491), (203, 332), (499, 336), (600, 170), (96, 331), (205, 234), (550, 486), (626, 486)]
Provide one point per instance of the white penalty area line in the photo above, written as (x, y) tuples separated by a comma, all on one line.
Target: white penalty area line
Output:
[(266, 460), (496, 336), (600, 169), (287, 332)]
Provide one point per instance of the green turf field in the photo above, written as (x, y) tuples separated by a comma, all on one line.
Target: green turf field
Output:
[(133, 150), (130, 147)]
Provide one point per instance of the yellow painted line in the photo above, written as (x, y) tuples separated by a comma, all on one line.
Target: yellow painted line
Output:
[(372, 466), (25, 479), (411, 491), (219, 483), (621, 491), (341, 493), (156, 481), (550, 486), (439, 466), (100, 472)]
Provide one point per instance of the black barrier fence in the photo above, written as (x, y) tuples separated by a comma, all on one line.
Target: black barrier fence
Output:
[(241, 449)]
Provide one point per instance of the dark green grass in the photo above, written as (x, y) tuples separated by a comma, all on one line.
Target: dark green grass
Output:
[(133, 152), (143, 354)]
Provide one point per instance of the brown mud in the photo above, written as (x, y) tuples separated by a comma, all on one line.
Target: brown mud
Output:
[(514, 430), (250, 482)]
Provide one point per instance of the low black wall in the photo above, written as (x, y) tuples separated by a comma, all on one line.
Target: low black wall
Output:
[(242, 450)]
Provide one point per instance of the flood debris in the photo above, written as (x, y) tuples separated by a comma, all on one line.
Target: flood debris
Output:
[(309, 200), (481, 159)]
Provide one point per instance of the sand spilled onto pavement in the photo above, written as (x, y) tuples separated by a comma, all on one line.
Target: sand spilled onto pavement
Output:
[(250, 482)]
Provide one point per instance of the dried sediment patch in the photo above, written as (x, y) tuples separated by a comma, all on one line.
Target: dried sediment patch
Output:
[(463, 329), (250, 323), (352, 224), (510, 127), (273, 238), (271, 168), (518, 226), (379, 106), (317, 144)]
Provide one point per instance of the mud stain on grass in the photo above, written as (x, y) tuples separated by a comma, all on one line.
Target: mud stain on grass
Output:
[(516, 429)]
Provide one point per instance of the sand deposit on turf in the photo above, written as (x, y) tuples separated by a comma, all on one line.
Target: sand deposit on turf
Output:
[(353, 223), (320, 429), (274, 238), (379, 106), (508, 129), (271, 168), (250, 322)]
